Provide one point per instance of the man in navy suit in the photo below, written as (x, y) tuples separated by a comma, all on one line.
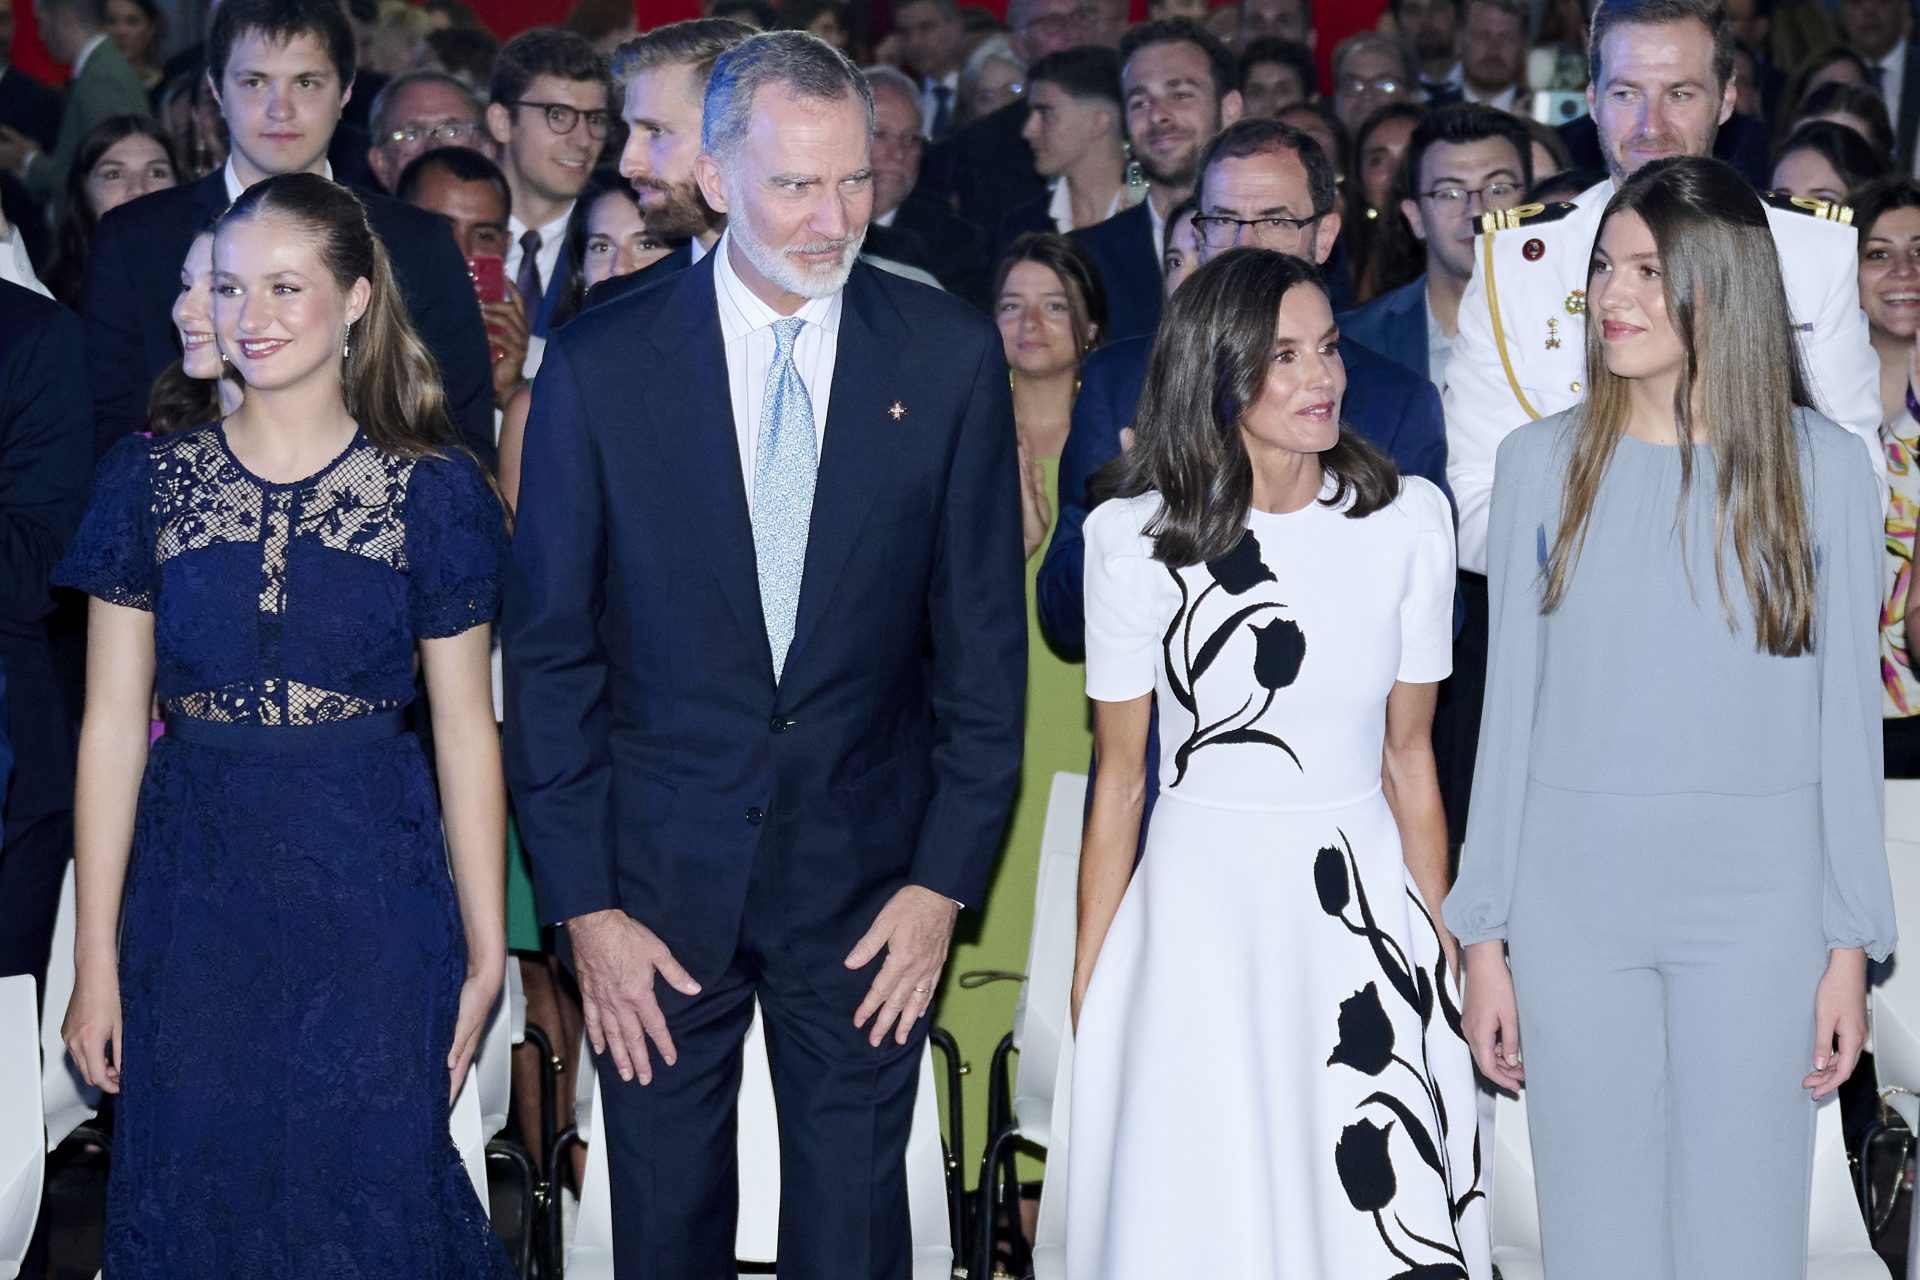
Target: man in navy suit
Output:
[(1180, 91), (765, 654), (46, 460), (283, 68), (1461, 161), (1265, 184)]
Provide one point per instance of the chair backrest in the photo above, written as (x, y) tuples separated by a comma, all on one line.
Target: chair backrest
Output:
[(23, 1154), (1834, 1224), (67, 1100), (1042, 1026), (1895, 1001), (1903, 809), (468, 1138), (756, 1237), (493, 1062), (590, 1252), (1515, 1210)]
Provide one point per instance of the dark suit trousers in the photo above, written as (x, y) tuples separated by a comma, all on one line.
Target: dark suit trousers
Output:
[(38, 837), (844, 1110)]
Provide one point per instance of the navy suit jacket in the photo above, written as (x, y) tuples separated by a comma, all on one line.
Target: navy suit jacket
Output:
[(46, 463), (652, 757), (1122, 247), (133, 276), (1395, 325), (959, 254), (1391, 407), (653, 273)]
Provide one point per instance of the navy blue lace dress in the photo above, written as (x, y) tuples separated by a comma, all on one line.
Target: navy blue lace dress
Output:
[(291, 950)]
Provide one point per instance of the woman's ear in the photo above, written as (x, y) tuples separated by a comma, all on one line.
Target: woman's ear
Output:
[(359, 297)]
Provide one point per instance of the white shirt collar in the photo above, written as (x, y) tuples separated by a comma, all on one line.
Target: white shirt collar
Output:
[(1896, 58), (86, 52), (1060, 207), (235, 187), (696, 250), (550, 234), (742, 311), (1159, 221)]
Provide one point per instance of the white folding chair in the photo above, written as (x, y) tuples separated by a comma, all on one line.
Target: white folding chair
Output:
[(1903, 809), (1837, 1243), (1043, 1034), (756, 1238), (1893, 1004), (23, 1154), (67, 1100)]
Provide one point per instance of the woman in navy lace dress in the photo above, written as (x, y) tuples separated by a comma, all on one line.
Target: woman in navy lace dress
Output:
[(276, 971)]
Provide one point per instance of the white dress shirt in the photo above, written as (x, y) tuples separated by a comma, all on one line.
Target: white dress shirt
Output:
[(1159, 221), (1439, 347), (15, 268), (236, 188), (746, 329), (1060, 206), (553, 238)]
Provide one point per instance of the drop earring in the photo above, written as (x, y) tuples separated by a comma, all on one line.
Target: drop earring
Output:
[(346, 343)]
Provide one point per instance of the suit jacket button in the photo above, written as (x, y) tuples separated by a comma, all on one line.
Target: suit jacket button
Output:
[(779, 725), (755, 815)]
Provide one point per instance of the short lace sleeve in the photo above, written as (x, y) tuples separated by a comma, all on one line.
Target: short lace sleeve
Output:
[(456, 546), (1426, 613), (112, 555), (1125, 589)]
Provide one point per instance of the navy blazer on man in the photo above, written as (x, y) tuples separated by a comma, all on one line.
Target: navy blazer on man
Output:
[(133, 276), (1122, 248), (652, 756), (1395, 325), (1395, 409), (46, 463)]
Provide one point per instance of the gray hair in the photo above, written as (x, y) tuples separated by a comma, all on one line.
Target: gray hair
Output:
[(377, 121), (881, 76), (1360, 43), (805, 65)]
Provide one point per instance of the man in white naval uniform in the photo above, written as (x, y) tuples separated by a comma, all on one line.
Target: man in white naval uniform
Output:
[(1661, 85)]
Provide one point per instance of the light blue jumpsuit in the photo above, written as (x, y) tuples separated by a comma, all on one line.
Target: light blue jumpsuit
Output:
[(1671, 828)]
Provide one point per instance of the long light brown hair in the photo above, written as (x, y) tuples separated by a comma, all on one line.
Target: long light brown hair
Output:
[(390, 381), (1718, 259)]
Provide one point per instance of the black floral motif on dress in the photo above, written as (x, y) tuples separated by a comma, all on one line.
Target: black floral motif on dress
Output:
[(1280, 647), (1366, 1044)]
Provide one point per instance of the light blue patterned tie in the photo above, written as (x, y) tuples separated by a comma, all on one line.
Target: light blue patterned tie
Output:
[(783, 474)]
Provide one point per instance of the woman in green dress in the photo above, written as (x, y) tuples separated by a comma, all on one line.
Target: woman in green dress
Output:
[(1051, 309)]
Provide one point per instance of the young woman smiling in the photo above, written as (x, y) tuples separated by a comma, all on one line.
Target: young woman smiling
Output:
[(1675, 833)]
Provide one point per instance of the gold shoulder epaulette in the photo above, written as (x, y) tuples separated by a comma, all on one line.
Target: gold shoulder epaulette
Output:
[(1812, 207), (1531, 215)]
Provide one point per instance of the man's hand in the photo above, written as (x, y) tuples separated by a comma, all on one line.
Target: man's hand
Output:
[(15, 147), (915, 928), (616, 958), (507, 343)]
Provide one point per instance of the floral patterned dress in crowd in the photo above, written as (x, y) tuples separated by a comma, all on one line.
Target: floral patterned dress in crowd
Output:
[(1269, 1076), (291, 951)]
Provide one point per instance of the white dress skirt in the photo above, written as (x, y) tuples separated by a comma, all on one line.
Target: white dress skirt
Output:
[(1269, 1074)]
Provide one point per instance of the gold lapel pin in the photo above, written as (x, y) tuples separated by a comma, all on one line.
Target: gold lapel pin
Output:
[(1577, 303), (1553, 334)]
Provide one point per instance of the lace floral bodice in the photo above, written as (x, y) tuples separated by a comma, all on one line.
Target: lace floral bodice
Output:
[(288, 604)]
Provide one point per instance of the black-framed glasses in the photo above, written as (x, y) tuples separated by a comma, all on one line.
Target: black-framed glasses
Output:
[(439, 135), (561, 118), (1219, 230), (1457, 197)]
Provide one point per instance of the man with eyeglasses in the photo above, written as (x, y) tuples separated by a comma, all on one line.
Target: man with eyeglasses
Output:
[(549, 116), (1371, 71), (1461, 162), (954, 249), (1264, 185), (419, 112), (281, 71)]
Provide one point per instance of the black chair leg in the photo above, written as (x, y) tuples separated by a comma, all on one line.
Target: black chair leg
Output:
[(555, 1250), (513, 1154)]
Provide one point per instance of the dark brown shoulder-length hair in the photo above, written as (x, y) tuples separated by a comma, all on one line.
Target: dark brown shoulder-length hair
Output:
[(1742, 368), (1208, 367), (390, 381), (1074, 267)]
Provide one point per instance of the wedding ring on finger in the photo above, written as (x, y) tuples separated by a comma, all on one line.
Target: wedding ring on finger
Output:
[(921, 991)]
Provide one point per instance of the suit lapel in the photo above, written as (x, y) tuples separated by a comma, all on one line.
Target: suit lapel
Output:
[(699, 443), (860, 439)]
